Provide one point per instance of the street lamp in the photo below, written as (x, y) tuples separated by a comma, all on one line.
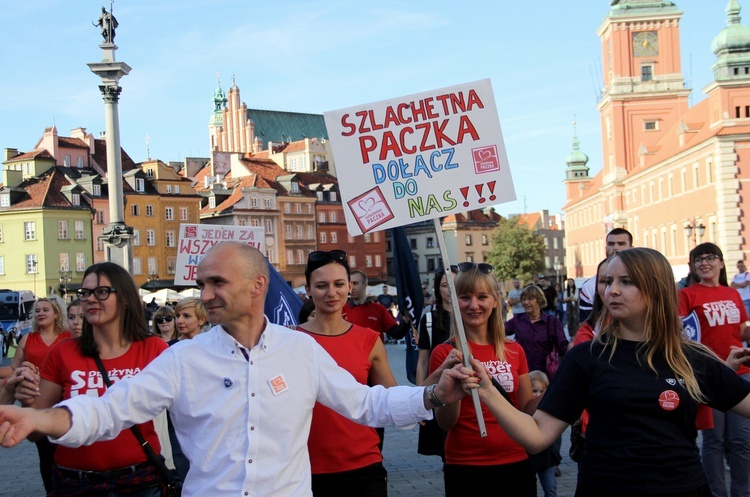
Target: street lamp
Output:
[(64, 280), (695, 229)]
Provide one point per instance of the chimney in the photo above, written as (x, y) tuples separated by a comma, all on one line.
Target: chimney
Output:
[(12, 178), (10, 153)]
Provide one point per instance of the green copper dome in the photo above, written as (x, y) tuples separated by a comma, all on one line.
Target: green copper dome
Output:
[(735, 37), (576, 160)]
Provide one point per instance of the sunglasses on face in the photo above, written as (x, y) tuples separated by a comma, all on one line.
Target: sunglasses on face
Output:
[(100, 292), (168, 319), (323, 255)]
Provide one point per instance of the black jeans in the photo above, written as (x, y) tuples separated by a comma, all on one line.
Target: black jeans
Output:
[(370, 481), (517, 479)]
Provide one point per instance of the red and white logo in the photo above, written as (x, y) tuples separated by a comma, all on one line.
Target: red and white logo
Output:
[(669, 400)]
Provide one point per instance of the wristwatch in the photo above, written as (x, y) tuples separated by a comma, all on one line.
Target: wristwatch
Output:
[(430, 391)]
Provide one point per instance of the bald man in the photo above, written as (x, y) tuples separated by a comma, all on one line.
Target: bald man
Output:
[(240, 396)]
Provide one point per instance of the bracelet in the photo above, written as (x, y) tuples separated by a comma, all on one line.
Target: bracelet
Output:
[(432, 397)]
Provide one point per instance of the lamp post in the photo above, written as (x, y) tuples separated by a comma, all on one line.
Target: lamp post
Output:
[(694, 229), (64, 280), (34, 266)]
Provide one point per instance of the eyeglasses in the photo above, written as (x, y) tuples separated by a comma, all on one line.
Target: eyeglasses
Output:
[(481, 267), (710, 258), (168, 319), (322, 255), (100, 292)]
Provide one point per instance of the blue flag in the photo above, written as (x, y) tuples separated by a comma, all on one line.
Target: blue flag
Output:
[(282, 304), (410, 296)]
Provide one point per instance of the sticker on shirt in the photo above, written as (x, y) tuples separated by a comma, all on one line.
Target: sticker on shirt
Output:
[(278, 384), (691, 327), (502, 372), (669, 400), (721, 312)]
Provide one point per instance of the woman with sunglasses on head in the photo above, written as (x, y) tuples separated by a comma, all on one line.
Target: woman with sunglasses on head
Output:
[(356, 466), (715, 315), (48, 330), (641, 380), (496, 464), (114, 332), (163, 324)]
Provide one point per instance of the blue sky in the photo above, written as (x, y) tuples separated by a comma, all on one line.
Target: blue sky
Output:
[(313, 56)]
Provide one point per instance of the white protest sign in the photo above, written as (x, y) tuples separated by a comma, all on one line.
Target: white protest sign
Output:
[(196, 239), (419, 157)]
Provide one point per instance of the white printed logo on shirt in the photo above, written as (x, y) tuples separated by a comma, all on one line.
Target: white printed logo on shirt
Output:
[(721, 312), (502, 372)]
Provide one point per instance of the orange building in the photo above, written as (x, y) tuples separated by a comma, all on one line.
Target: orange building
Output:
[(673, 175)]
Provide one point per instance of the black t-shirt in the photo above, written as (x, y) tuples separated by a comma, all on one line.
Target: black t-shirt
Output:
[(439, 334), (641, 433)]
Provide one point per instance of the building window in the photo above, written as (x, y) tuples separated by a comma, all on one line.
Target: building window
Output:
[(31, 265), (80, 233), (647, 72), (295, 187), (288, 232), (62, 230), (412, 243), (299, 230), (253, 202), (149, 210), (150, 173), (431, 264), (99, 217), (290, 256), (319, 196), (170, 239), (470, 257), (368, 261), (367, 238), (137, 266), (323, 237), (298, 208), (151, 237), (97, 190), (169, 213), (468, 240), (183, 213), (430, 244), (140, 185), (136, 238), (332, 217), (29, 228), (66, 161), (171, 264), (270, 255), (333, 197), (64, 262), (99, 245), (267, 203), (4, 200), (80, 262), (352, 261), (79, 162), (334, 237), (322, 217), (376, 237), (169, 188), (243, 222), (300, 256), (153, 267), (310, 232), (287, 208), (75, 199), (378, 261), (177, 189), (135, 210), (309, 208), (485, 240), (650, 126), (212, 202), (350, 238)]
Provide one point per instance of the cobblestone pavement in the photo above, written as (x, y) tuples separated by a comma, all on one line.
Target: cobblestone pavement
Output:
[(409, 474)]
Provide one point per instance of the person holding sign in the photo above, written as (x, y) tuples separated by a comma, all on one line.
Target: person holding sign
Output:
[(357, 465), (240, 396), (641, 379), (475, 464)]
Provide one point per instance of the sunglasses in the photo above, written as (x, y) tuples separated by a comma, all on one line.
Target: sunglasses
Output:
[(100, 292), (323, 255), (481, 267), (168, 319)]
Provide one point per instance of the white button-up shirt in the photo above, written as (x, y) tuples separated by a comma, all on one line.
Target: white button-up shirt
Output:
[(243, 424)]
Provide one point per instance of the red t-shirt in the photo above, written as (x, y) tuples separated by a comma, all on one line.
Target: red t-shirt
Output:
[(337, 444), (464, 446), (79, 375), (369, 315), (35, 351), (720, 312)]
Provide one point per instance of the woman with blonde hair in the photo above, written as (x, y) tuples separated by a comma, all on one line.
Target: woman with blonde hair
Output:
[(190, 317), (496, 463), (163, 324), (49, 328), (641, 380)]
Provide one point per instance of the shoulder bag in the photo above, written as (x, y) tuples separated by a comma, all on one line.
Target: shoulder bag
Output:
[(553, 358), (172, 484)]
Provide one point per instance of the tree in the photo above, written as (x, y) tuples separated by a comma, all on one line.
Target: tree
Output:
[(517, 252)]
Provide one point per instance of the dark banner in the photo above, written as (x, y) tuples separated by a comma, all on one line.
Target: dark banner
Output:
[(410, 297)]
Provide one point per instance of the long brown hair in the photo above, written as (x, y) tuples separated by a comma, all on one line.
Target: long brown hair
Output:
[(132, 317), (651, 273)]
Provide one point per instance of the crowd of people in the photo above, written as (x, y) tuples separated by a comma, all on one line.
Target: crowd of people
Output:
[(251, 407)]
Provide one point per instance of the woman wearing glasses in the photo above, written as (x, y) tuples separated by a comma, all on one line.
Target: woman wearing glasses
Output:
[(115, 331), (495, 464), (714, 315), (354, 467), (163, 324), (48, 330)]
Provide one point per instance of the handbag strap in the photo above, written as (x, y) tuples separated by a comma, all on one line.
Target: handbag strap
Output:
[(152, 456)]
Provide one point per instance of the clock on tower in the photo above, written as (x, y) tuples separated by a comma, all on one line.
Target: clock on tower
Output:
[(645, 43)]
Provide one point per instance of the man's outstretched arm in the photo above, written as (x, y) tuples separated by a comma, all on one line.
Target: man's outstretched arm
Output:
[(17, 423)]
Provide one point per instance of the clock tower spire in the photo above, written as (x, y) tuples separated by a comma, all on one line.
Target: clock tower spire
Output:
[(644, 89)]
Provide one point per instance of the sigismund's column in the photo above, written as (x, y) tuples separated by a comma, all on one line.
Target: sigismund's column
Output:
[(116, 236)]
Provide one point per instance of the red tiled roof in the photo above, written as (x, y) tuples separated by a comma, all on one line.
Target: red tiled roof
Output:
[(297, 146), (44, 191), (39, 153), (733, 130), (68, 142)]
